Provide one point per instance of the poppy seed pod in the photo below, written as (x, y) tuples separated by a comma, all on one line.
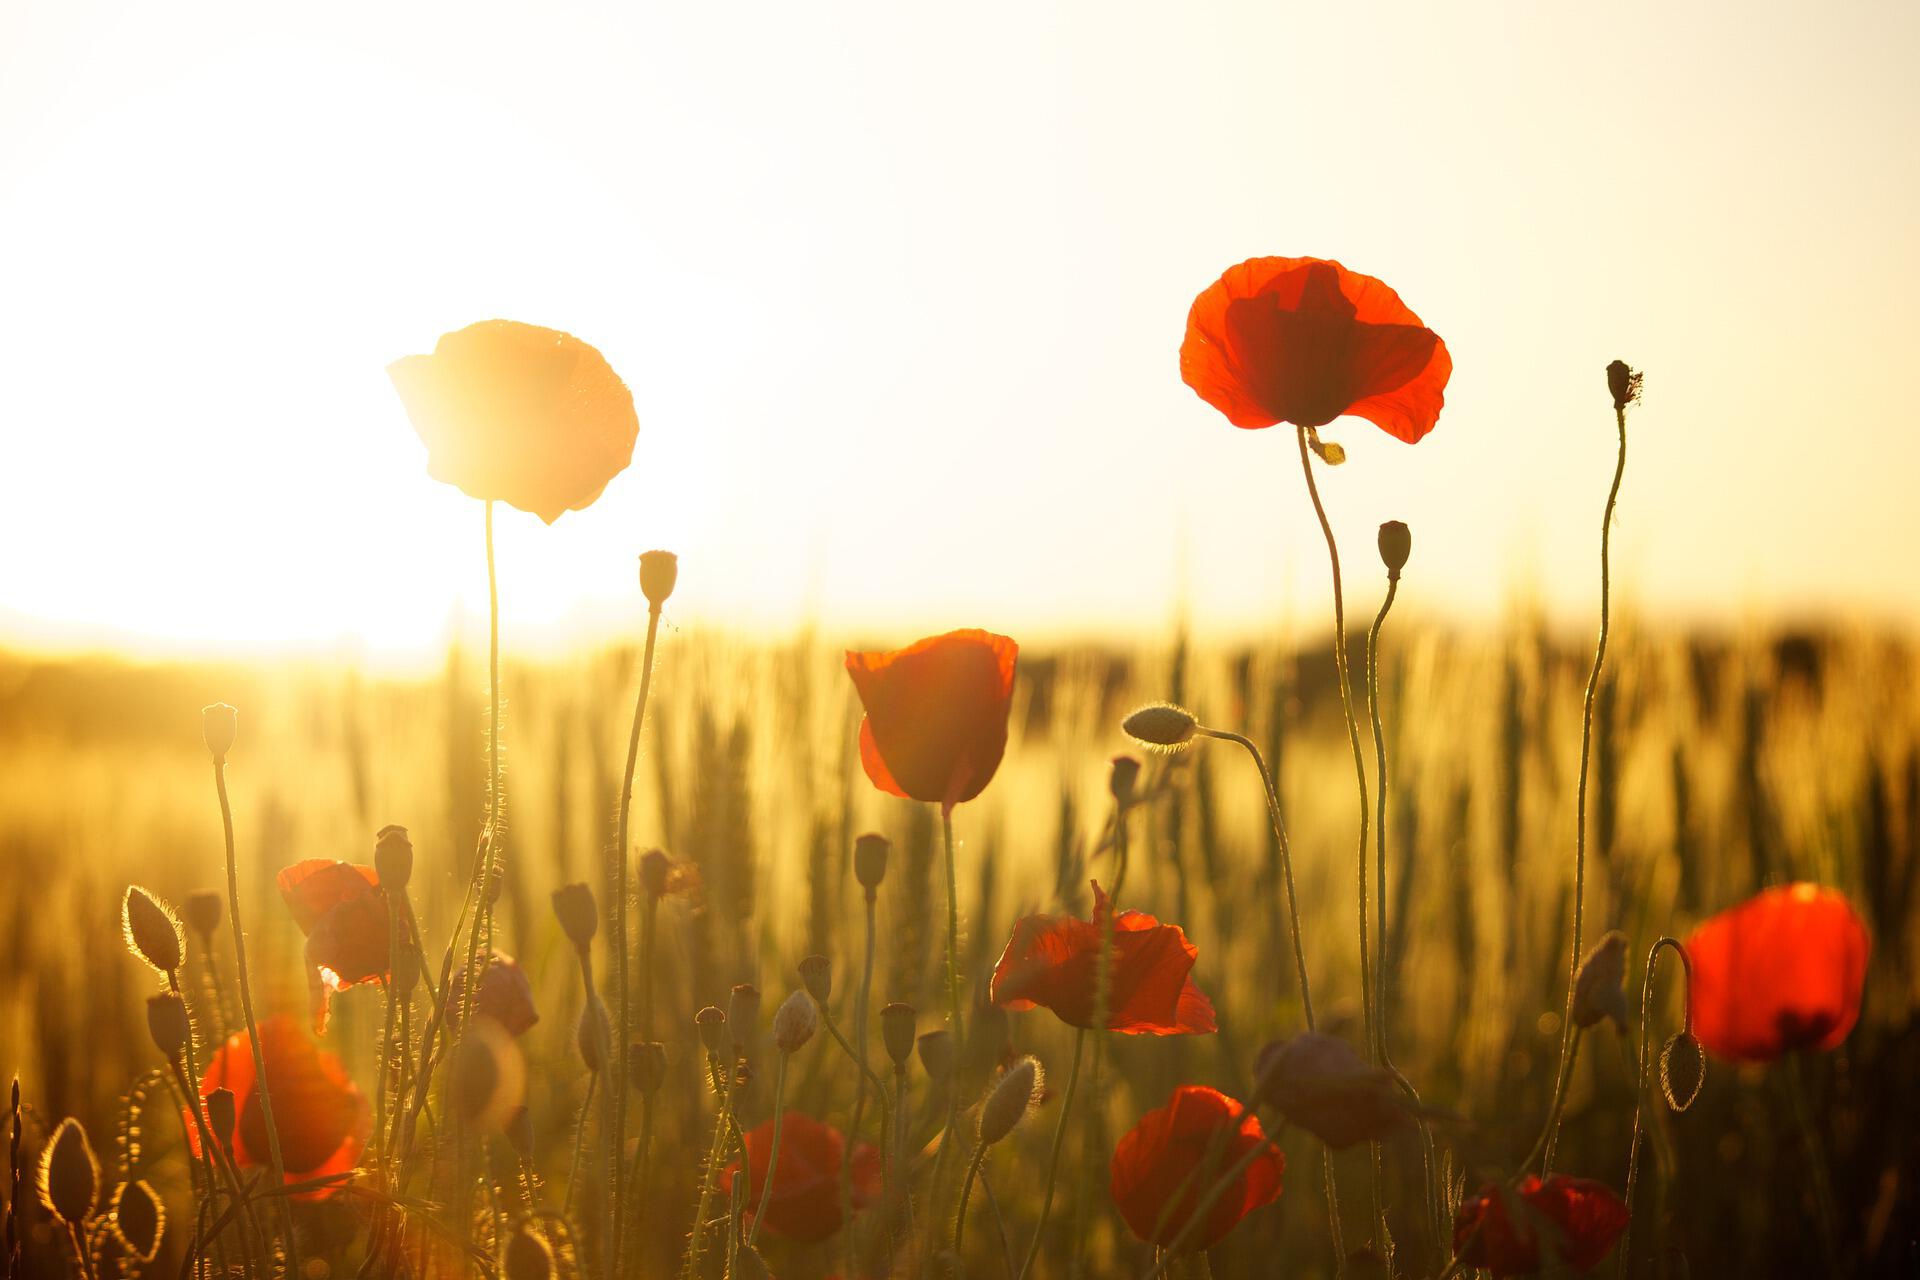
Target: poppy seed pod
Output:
[(897, 1025), (1683, 1069), (870, 860), (656, 873), (220, 1116), (1396, 544), (70, 1174), (816, 973), (152, 931), (743, 1015), (712, 1024), (647, 1066), (393, 858), (1623, 383), (794, 1022), (936, 1053), (528, 1257), (1161, 725), (218, 724), (1123, 777), (659, 572), (168, 1025), (1597, 988), (578, 913), (1016, 1094), (203, 911)]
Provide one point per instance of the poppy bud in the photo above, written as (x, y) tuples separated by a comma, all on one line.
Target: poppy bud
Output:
[(152, 931), (218, 723), (870, 860), (593, 1033), (1161, 725), (743, 1015), (579, 914), (896, 1031), (1623, 383), (794, 1022), (1016, 1094), (220, 1115), (393, 859), (713, 1028), (1597, 988), (1328, 1089), (656, 872), (936, 1053), (816, 973), (519, 1132), (1683, 1070), (647, 1066), (203, 912), (70, 1174), (659, 571), (168, 1025), (1396, 544), (528, 1256), (138, 1219), (1123, 775)]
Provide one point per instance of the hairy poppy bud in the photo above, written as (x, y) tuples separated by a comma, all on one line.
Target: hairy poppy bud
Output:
[(1597, 987), (220, 1116), (897, 1025), (1161, 725), (712, 1023), (152, 931), (743, 1015), (1016, 1094), (579, 914), (1123, 775), (519, 1132), (656, 873), (70, 1174), (528, 1256), (647, 1066), (794, 1022), (1623, 383), (816, 973), (936, 1053), (870, 860), (659, 571), (138, 1219), (218, 724), (393, 858), (1682, 1071), (203, 911), (1396, 544), (168, 1025)]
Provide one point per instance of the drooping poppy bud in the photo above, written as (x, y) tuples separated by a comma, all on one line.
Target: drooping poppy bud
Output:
[(70, 1174), (221, 1115), (659, 573), (816, 974), (1682, 1071), (393, 858), (153, 931), (1161, 725), (218, 724), (1396, 544), (1598, 990), (794, 1022), (1013, 1096), (870, 861), (898, 1022), (167, 1023)]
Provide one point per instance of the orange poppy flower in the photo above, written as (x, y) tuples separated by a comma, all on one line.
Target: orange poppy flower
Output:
[(1581, 1220), (1304, 340), (1200, 1132), (505, 995), (323, 1119), (1054, 961), (340, 908), (805, 1204), (1783, 970), (936, 722), (531, 416)]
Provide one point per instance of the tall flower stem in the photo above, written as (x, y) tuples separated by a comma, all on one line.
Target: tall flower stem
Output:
[(1580, 793), (723, 1090), (773, 1151), (944, 1154), (1640, 1078), (482, 934), (860, 1098), (1053, 1158), (187, 1075), (263, 1085)]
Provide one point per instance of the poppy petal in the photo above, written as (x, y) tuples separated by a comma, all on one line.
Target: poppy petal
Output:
[(936, 714), (1784, 970)]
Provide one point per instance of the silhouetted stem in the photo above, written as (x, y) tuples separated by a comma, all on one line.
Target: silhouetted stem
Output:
[(773, 1151), (966, 1194), (715, 1150), (1053, 1159), (860, 1098), (1640, 1078)]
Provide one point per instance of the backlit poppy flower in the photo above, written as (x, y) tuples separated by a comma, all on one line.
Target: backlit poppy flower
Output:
[(1782, 971), (805, 1204), (936, 722), (505, 995), (1180, 1151), (1323, 1085), (340, 908), (322, 1118), (530, 416), (1577, 1221), (1304, 340), (1053, 961)]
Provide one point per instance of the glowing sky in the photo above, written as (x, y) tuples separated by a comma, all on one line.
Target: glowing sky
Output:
[(899, 288)]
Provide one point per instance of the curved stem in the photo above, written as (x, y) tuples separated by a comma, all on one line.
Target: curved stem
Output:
[(1640, 1078), (1053, 1160), (580, 1142), (773, 1152), (1580, 801), (966, 1194)]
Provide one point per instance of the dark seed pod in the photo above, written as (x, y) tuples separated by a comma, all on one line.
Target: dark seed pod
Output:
[(139, 1219), (898, 1022), (816, 973), (1623, 383), (712, 1024), (203, 912), (1123, 777), (579, 916), (393, 858), (870, 860), (659, 574), (70, 1174), (168, 1025), (1396, 544), (656, 873), (647, 1066), (1682, 1071), (152, 931)]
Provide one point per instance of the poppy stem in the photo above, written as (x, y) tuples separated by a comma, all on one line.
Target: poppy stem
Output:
[(723, 1087), (1640, 1079), (944, 1154), (773, 1151), (579, 1142), (966, 1194), (187, 1076), (1816, 1158), (860, 1098), (1580, 800), (1053, 1160)]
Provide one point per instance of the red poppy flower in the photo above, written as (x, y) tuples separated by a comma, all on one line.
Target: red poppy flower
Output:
[(531, 416), (1304, 340), (1181, 1150), (322, 1118), (340, 908), (505, 995), (1783, 970), (1054, 961), (936, 722), (806, 1186), (1579, 1218)]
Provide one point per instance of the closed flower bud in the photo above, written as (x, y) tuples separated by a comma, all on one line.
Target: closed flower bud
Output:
[(816, 973), (712, 1024), (528, 1257), (897, 1026), (647, 1066), (936, 1053), (743, 1015), (220, 1116), (1396, 544), (168, 1025), (70, 1174), (656, 873), (1123, 776), (579, 914), (393, 858), (870, 860), (1016, 1094), (794, 1022), (138, 1219), (1597, 988), (1682, 1071), (152, 931), (218, 724), (202, 912), (519, 1132), (1161, 725), (659, 571), (1623, 383)]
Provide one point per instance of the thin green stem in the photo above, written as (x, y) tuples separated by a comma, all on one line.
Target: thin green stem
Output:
[(966, 1194), (1053, 1159), (773, 1151), (1543, 1145), (579, 1143), (944, 1154), (723, 1088), (1640, 1078), (860, 1099)]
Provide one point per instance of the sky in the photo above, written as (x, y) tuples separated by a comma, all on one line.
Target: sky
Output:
[(899, 291)]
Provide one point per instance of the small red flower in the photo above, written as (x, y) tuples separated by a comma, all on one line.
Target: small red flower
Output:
[(1200, 1132), (340, 908), (1783, 970), (1304, 340), (1579, 1218), (1053, 961), (936, 722), (505, 995), (322, 1118), (806, 1186)]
